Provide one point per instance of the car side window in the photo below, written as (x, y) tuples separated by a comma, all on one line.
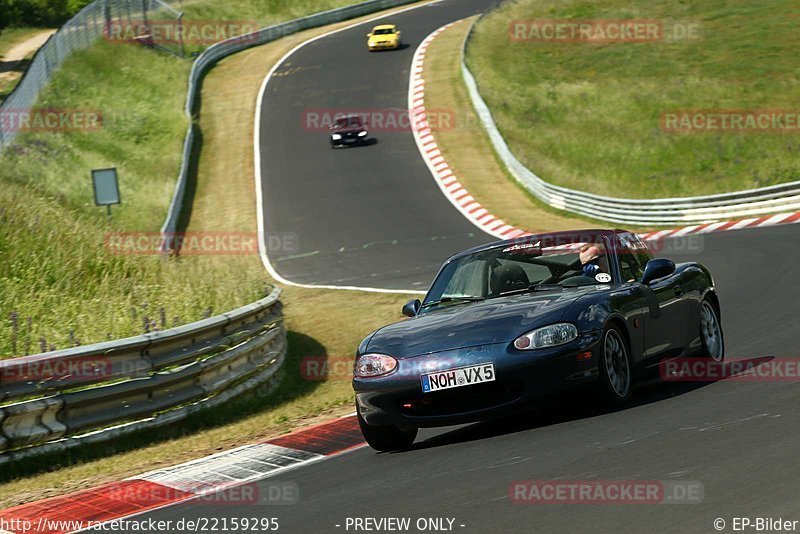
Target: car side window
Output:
[(633, 256)]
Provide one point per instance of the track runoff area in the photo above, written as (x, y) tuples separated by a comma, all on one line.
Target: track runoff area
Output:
[(683, 457)]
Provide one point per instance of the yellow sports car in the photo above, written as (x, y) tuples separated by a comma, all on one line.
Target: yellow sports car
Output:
[(383, 37)]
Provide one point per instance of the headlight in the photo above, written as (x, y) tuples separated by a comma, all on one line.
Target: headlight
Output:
[(548, 336), (362, 134), (369, 365), (336, 136)]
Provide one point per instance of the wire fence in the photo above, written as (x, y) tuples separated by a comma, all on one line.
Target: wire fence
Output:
[(125, 19)]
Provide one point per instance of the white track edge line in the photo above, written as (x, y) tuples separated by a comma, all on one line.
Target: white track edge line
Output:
[(255, 478), (262, 248), (262, 476)]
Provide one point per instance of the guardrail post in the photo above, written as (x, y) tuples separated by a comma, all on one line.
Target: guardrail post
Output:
[(180, 35), (106, 17), (145, 7), (3, 437)]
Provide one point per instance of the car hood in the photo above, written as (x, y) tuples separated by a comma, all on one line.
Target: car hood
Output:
[(390, 38), (499, 320)]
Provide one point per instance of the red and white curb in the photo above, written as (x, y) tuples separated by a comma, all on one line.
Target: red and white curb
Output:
[(723, 226), (441, 171), (200, 478), (230, 469), (477, 214)]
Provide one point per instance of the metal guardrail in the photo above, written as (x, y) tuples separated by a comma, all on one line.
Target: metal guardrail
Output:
[(58, 400), (66, 398), (231, 46), (642, 212)]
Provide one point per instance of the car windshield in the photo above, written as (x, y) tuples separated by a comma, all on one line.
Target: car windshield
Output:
[(383, 31), (518, 268), (343, 122)]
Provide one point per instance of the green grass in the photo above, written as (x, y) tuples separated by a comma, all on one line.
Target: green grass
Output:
[(467, 149), (320, 322), (264, 12), (235, 17), (56, 274), (6, 87), (587, 116)]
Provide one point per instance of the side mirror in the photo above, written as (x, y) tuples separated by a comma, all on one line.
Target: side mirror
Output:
[(657, 268), (369, 35), (412, 308)]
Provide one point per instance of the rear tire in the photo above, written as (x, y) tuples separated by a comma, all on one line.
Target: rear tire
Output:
[(712, 345), (614, 366), (386, 438)]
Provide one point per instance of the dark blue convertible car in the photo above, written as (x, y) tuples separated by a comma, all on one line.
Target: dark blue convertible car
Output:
[(509, 322)]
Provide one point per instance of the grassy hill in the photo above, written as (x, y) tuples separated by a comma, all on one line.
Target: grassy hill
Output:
[(56, 269), (588, 115), (59, 285)]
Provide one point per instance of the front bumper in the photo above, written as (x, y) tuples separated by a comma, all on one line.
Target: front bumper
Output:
[(346, 142), (520, 378), (349, 139), (383, 46)]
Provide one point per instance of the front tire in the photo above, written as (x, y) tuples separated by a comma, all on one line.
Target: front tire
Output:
[(615, 369), (386, 438), (712, 340)]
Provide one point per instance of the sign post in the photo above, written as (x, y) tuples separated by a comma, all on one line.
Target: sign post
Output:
[(106, 188)]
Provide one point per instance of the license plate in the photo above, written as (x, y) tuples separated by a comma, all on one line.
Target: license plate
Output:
[(456, 378)]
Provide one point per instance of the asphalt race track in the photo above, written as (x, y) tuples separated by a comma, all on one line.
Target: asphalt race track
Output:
[(366, 216), (738, 439)]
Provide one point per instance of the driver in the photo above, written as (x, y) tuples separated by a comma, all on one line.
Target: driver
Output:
[(590, 254)]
